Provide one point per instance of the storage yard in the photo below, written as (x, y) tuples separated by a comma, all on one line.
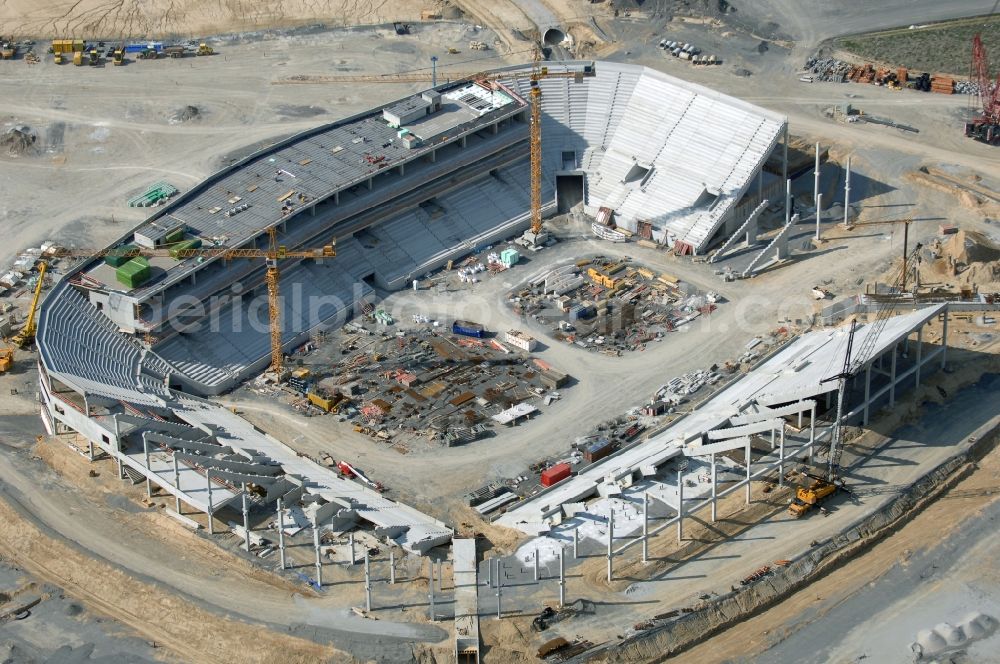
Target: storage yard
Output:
[(611, 306), (415, 383), (363, 335)]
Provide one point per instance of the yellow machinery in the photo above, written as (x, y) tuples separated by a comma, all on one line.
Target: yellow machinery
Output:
[(811, 497), (118, 58), (205, 49), (535, 75), (78, 58), (26, 334), (328, 404), (67, 45), (6, 359), (94, 58), (271, 256), (58, 58)]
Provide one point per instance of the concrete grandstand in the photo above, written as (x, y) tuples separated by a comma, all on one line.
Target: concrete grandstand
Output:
[(403, 188)]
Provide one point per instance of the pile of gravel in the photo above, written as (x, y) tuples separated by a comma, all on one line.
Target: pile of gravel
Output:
[(185, 114), (18, 140)]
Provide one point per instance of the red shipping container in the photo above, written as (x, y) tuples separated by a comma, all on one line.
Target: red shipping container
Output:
[(556, 473)]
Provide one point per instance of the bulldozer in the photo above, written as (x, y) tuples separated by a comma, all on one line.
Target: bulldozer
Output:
[(811, 497), (205, 49), (119, 56)]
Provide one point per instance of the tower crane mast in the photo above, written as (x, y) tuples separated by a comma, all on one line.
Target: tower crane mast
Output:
[(272, 255)]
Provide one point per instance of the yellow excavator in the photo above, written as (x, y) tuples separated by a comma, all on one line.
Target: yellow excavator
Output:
[(814, 495), (26, 334)]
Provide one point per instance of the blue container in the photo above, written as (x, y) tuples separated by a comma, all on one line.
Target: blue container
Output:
[(467, 329)]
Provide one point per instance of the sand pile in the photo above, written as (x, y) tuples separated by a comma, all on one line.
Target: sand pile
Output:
[(966, 258), (185, 114), (974, 258), (17, 140), (968, 247)]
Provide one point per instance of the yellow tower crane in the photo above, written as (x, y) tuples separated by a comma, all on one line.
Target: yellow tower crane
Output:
[(271, 256), (536, 74), (535, 236), (26, 334)]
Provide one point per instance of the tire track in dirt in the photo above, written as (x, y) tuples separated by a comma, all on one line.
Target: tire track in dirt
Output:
[(190, 631)]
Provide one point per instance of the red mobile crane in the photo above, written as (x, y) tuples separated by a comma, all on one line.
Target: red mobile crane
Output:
[(985, 124)]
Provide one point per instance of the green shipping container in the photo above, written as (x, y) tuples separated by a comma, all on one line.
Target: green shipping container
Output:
[(175, 235), (116, 260), (175, 251), (134, 273)]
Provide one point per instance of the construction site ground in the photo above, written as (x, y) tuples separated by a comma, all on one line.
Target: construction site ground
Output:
[(937, 48), (100, 141)]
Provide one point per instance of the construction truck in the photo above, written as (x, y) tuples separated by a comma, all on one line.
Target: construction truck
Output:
[(78, 58), (58, 58), (93, 57), (205, 49), (8, 50), (118, 58), (6, 360), (175, 51), (813, 496)]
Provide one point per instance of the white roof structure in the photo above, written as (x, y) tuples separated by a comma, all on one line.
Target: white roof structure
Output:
[(514, 413), (656, 148), (796, 373)]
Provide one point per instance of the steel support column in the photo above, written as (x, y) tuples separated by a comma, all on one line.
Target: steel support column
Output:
[(715, 489), (868, 392), (748, 472), (892, 377), (944, 339), (611, 553), (645, 526), (281, 534), (920, 354), (680, 506)]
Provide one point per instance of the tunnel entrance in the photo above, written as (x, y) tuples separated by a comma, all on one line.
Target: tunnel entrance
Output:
[(569, 192), (553, 37)]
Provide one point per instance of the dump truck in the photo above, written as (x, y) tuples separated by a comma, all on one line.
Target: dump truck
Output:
[(78, 58), (175, 51), (6, 359), (58, 58), (205, 49), (8, 50), (813, 496)]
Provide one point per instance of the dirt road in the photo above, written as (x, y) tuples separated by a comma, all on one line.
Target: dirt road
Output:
[(158, 18), (904, 584)]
